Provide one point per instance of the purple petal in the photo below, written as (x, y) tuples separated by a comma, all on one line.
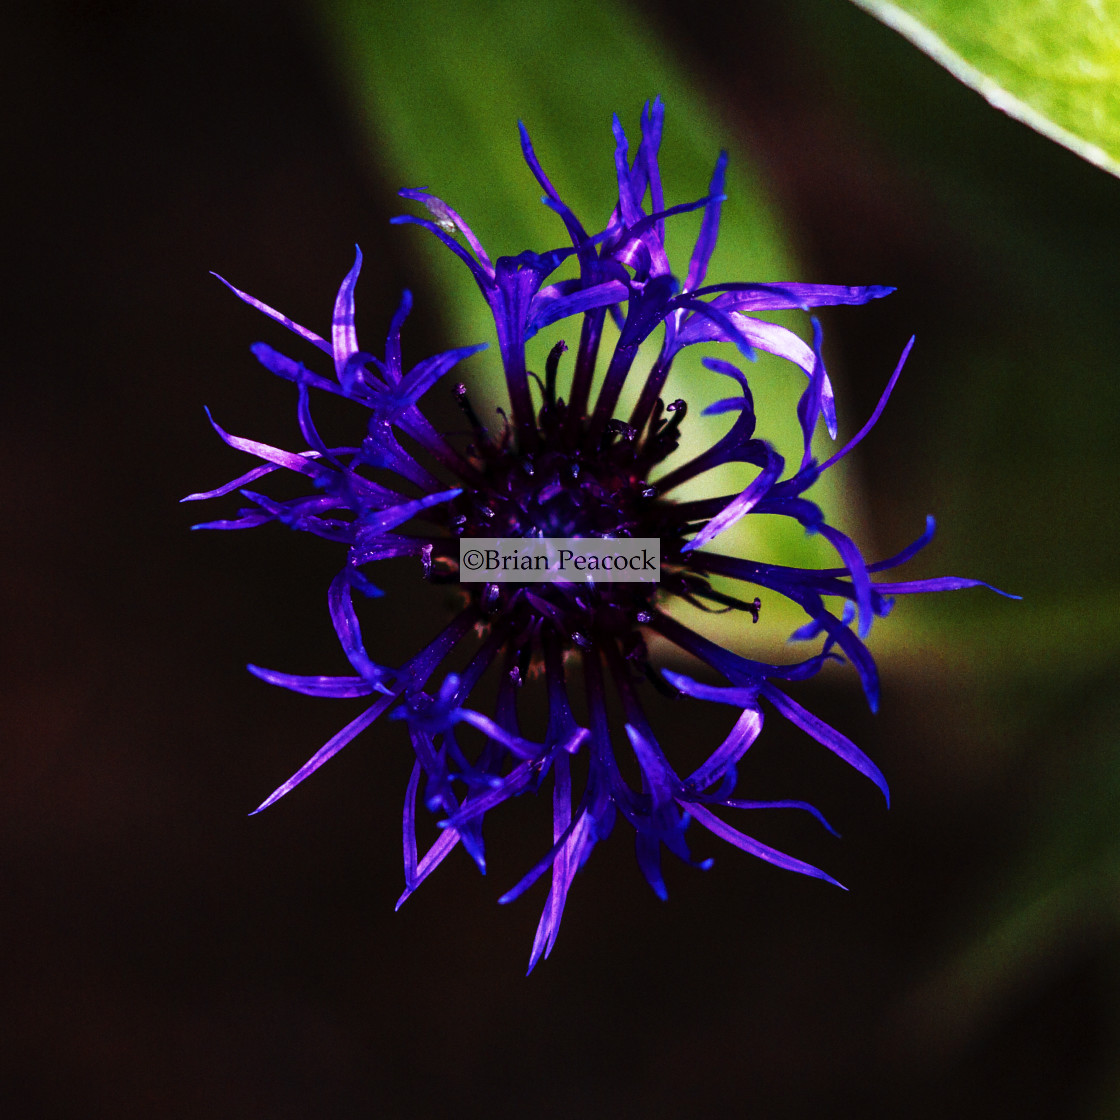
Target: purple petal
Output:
[(628, 205), (769, 337), (307, 424), (343, 334), (810, 404), (433, 857), (569, 859), (738, 695), (484, 278), (895, 561), (741, 505), (394, 367), (445, 216), (520, 747), (709, 228), (575, 229), (649, 222), (328, 750), (776, 297), (878, 409), (409, 826), (728, 753), (828, 736), (301, 464), (647, 849), (247, 521), (775, 339), (653, 119), (540, 867), (236, 484), (655, 770), (803, 805), (727, 404), (942, 583), (398, 515), (549, 924), (421, 667), (345, 621), (511, 785), (724, 831), (548, 309), (283, 366), (334, 687), (426, 373), (272, 313), (861, 582), (728, 369), (726, 329)]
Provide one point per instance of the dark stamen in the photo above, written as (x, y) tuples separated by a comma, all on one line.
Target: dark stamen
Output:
[(679, 409), (551, 368), (465, 404)]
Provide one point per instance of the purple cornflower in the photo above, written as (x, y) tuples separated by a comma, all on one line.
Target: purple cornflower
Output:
[(564, 464)]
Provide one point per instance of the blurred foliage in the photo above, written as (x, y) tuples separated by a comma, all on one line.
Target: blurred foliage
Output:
[(1056, 905), (1053, 65), (1027, 465)]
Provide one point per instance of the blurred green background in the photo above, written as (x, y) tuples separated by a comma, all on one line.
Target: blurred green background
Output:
[(166, 956)]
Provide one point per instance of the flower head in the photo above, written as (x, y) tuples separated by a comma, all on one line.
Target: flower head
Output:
[(566, 464)]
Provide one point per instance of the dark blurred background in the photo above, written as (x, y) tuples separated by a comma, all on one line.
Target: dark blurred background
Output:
[(165, 955)]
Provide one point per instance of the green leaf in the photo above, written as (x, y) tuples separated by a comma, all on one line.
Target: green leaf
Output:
[(1053, 65), (437, 88)]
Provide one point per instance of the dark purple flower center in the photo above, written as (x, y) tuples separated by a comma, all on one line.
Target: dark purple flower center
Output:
[(561, 481)]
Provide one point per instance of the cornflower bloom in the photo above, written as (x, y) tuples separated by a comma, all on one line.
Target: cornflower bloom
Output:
[(567, 465)]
